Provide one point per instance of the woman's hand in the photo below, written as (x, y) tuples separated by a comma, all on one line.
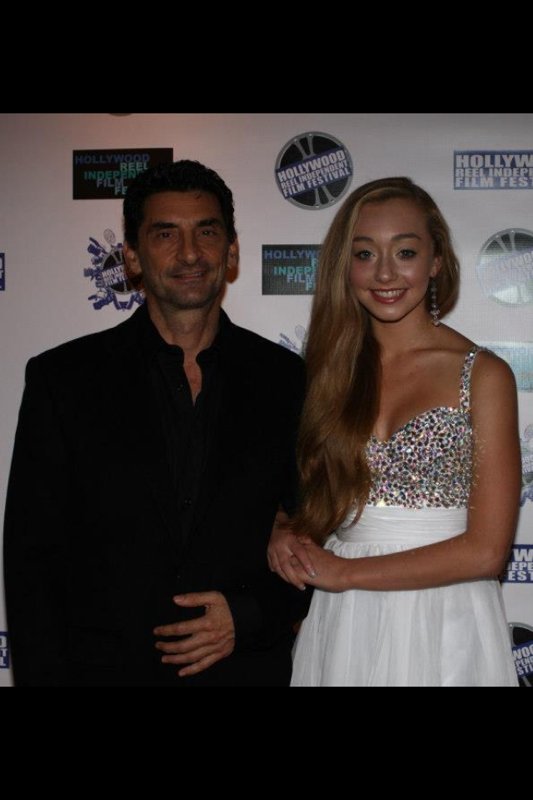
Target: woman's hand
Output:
[(331, 573), (288, 555), (300, 561)]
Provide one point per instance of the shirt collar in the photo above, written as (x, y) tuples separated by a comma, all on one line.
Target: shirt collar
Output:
[(153, 343)]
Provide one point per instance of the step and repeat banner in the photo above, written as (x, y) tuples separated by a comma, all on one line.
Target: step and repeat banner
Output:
[(63, 179)]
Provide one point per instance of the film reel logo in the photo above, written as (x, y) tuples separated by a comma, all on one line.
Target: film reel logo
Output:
[(313, 170), (522, 642), (505, 267), (110, 279)]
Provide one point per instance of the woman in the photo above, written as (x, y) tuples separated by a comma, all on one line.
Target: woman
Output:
[(409, 452)]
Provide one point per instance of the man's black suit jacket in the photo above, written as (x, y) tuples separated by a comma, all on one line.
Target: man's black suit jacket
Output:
[(93, 548)]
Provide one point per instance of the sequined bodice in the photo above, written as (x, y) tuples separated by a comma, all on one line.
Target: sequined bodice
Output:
[(428, 461)]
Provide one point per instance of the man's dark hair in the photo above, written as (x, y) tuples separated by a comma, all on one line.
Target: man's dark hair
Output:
[(181, 176)]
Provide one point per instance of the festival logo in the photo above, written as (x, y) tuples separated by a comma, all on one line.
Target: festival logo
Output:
[(289, 268), (4, 651), (297, 346), (313, 170), (505, 267), (522, 642), (493, 169), (107, 272), (106, 174), (2, 272), (519, 568)]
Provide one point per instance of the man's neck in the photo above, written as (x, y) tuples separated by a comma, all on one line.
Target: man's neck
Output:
[(191, 329)]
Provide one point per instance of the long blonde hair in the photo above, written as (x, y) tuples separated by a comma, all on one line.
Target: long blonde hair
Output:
[(343, 364)]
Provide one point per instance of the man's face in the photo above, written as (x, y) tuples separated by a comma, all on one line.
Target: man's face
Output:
[(183, 250)]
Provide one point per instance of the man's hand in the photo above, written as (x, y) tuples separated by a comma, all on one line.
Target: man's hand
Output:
[(210, 637)]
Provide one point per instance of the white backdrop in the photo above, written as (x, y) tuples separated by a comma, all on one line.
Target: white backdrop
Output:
[(45, 234)]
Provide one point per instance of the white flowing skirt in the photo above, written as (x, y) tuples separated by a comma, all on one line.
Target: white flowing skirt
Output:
[(453, 635)]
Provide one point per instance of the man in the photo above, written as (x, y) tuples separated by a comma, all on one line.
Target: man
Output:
[(150, 461)]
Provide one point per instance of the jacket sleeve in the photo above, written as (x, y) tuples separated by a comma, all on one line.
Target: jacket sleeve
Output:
[(35, 532), (266, 611)]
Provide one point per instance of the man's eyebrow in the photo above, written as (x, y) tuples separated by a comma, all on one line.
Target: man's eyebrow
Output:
[(202, 223), (161, 224)]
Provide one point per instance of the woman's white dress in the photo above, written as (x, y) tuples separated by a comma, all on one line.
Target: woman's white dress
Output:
[(454, 635)]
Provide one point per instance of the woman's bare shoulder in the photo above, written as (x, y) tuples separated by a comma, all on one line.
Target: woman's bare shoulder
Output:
[(490, 372), (488, 367)]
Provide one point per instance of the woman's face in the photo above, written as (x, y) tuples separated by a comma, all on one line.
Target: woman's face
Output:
[(392, 260)]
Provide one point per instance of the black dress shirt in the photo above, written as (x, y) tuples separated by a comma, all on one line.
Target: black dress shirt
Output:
[(188, 426)]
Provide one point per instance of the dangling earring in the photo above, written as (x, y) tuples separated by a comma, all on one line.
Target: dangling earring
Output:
[(434, 308)]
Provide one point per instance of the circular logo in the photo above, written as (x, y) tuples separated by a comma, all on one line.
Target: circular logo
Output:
[(313, 170), (505, 267), (522, 641), (110, 279)]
